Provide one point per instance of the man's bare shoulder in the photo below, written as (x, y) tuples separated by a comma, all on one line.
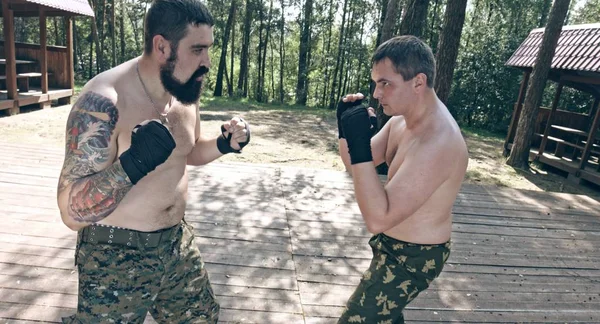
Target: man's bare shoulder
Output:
[(441, 143), (110, 83), (448, 142)]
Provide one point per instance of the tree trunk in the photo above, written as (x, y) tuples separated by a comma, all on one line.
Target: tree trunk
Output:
[(113, 35), (454, 19), (361, 63), (101, 37), (345, 52), (75, 45), (243, 77), (271, 43), (333, 94), (223, 59), (264, 58), (302, 84), (387, 31), (96, 42), (433, 20), (230, 82), (282, 50), (519, 154), (91, 61), (384, 6), (122, 30), (258, 93), (391, 16), (226, 77), (330, 19), (414, 18)]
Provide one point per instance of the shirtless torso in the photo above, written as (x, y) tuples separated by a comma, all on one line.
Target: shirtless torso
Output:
[(431, 223), (427, 159), (159, 199)]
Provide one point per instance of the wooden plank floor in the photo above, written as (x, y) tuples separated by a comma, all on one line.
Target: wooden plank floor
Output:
[(287, 245)]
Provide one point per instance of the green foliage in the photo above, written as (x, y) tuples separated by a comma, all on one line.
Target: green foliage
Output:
[(589, 13), (484, 89)]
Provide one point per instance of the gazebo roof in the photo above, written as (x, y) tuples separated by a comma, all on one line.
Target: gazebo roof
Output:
[(576, 61), (30, 8), (578, 49)]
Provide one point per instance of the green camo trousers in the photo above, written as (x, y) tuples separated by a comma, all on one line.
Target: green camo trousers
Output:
[(398, 272), (120, 284)]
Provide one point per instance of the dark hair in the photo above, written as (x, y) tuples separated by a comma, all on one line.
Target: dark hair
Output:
[(170, 18), (410, 56)]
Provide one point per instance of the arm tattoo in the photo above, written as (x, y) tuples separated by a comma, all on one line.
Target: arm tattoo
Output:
[(97, 187)]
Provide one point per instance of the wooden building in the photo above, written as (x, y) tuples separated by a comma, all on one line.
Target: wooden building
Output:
[(565, 140), (37, 73)]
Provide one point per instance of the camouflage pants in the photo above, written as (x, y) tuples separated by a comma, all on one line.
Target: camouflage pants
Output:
[(120, 284), (398, 272)]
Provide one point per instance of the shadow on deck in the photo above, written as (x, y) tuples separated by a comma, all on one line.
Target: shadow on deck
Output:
[(287, 245)]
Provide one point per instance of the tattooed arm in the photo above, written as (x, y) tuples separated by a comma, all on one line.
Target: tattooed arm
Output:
[(92, 181)]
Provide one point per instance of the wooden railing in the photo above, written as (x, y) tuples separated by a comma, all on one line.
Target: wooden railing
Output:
[(56, 58)]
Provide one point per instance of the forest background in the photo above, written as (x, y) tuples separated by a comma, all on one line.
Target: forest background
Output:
[(310, 52)]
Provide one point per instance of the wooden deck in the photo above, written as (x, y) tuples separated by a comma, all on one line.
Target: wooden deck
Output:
[(287, 245), (34, 96)]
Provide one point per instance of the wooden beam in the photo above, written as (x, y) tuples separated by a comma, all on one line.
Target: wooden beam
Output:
[(591, 137), (9, 54), (516, 112), (70, 69), (549, 122), (581, 79), (44, 51), (593, 109), (24, 7)]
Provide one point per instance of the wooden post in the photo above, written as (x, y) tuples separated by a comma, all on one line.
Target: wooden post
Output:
[(516, 112), (44, 57), (70, 71), (9, 54), (549, 122), (593, 110), (591, 136)]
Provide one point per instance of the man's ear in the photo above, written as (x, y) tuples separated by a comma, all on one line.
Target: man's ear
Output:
[(161, 47), (420, 82)]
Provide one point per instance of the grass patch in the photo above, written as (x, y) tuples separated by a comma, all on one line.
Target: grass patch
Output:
[(245, 105)]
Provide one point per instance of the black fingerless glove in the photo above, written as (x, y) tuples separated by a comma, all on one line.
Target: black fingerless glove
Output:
[(151, 145), (358, 128), (224, 143), (341, 108)]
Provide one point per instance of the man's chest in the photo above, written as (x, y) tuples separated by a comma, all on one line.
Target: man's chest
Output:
[(398, 147), (180, 121)]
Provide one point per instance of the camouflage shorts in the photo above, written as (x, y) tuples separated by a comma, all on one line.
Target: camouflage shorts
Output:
[(121, 284), (398, 272)]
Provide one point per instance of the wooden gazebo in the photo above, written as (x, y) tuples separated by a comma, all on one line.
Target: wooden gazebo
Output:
[(565, 140), (37, 73)]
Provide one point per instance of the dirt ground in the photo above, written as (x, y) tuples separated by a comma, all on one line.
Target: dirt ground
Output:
[(301, 138)]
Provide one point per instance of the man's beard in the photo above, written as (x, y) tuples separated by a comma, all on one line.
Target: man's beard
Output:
[(187, 93)]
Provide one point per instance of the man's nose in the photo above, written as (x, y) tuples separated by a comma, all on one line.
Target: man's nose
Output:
[(206, 61), (376, 93)]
